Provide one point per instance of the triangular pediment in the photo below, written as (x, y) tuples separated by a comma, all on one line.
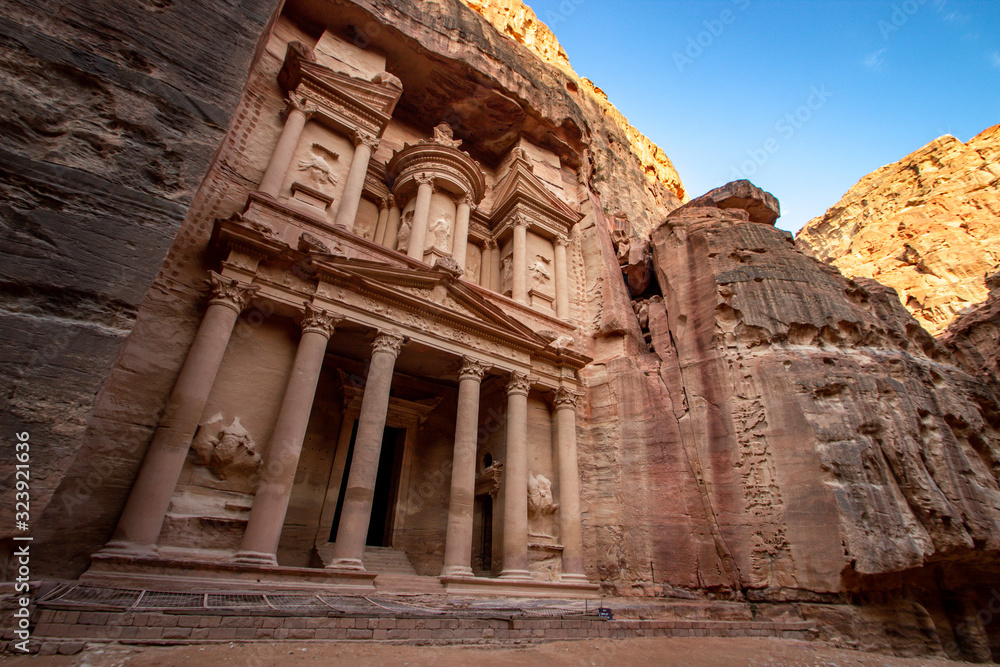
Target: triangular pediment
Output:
[(433, 292), (522, 186), (350, 90)]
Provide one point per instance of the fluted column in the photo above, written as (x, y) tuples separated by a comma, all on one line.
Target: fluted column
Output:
[(515, 496), (562, 278), (298, 113), (460, 240), (458, 544), (270, 503), (347, 212), (519, 288), (570, 530), (141, 520), (352, 532), (383, 218), (421, 215), (485, 266)]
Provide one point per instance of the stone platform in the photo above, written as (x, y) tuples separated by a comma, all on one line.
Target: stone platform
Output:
[(79, 612)]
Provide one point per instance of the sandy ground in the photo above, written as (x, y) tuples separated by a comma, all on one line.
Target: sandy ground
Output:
[(619, 652)]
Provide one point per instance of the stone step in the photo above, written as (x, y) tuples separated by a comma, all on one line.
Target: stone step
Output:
[(408, 583), (388, 560)]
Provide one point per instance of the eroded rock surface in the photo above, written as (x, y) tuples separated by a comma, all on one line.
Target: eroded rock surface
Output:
[(928, 226)]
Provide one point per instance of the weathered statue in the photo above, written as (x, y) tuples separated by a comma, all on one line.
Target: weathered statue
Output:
[(540, 270), (440, 231), (317, 168), (403, 236), (444, 135), (506, 272), (540, 501), (231, 452)]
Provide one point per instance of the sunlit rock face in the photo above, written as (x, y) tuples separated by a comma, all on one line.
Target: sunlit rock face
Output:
[(926, 226)]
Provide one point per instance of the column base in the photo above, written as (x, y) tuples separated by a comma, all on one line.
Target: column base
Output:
[(516, 575), (574, 578), (346, 565), (456, 571), (254, 558), (126, 548)]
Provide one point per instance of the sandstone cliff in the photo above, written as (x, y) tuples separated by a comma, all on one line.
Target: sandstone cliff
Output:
[(974, 336), (928, 226), (518, 22)]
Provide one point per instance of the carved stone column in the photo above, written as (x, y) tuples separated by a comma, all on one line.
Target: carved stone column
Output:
[(562, 278), (141, 520), (570, 530), (288, 141), (519, 288), (383, 217), (515, 508), (421, 215), (364, 144), (460, 240), (260, 540), (391, 225), (458, 545), (486, 266), (352, 531), (495, 268)]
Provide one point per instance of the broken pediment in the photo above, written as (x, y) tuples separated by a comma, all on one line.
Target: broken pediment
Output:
[(521, 191)]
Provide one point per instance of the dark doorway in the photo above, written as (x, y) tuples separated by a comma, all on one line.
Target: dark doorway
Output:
[(482, 545), (386, 487)]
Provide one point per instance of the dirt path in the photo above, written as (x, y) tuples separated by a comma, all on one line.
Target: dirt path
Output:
[(619, 652)]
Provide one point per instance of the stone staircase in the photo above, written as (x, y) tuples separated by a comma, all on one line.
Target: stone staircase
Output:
[(396, 573)]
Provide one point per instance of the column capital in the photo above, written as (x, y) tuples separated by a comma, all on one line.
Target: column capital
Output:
[(468, 200), (472, 369), (387, 341), (424, 179), (293, 103), (230, 291), (519, 383), (365, 139), (562, 240), (565, 398), (520, 221), (385, 203), (319, 321)]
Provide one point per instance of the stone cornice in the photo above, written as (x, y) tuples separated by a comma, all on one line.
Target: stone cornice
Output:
[(448, 165)]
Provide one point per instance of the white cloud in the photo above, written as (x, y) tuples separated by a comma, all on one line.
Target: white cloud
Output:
[(874, 60)]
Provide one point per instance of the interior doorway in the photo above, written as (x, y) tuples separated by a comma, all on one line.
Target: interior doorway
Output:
[(482, 531), (386, 487)]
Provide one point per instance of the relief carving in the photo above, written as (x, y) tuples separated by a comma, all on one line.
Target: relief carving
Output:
[(444, 135), (440, 231), (317, 168), (539, 270), (230, 452), (405, 228)]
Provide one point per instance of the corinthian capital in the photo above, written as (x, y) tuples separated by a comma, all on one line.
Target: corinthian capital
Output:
[(230, 292), (387, 341), (424, 179), (472, 369), (319, 321), (365, 139), (293, 103), (468, 201), (562, 240), (565, 399), (519, 221), (519, 383)]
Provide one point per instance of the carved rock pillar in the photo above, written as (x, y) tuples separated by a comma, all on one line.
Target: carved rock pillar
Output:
[(142, 519), (270, 503), (515, 509), (383, 218), (494, 268), (460, 239), (277, 167), (421, 215), (352, 531), (458, 545), (519, 288), (486, 266), (392, 224), (562, 278), (570, 530), (364, 144)]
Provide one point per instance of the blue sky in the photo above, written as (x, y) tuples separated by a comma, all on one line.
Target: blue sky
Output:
[(803, 98)]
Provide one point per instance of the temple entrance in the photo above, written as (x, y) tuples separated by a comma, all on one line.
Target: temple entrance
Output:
[(482, 531), (386, 487)]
